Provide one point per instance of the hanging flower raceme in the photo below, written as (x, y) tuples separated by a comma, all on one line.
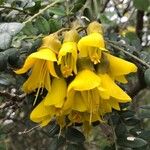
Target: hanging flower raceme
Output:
[(51, 105), (93, 44), (42, 65), (92, 90), (67, 56)]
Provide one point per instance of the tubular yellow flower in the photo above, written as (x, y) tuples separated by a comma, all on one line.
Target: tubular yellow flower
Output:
[(44, 114), (67, 56), (112, 89), (58, 93), (51, 105), (42, 65), (92, 44), (83, 94), (118, 68)]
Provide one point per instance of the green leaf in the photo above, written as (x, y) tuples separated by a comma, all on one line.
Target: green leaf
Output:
[(74, 135), (104, 19), (141, 5), (29, 29), (11, 28), (131, 121), (37, 43), (75, 147), (42, 25), (5, 40), (54, 25), (120, 130), (78, 4), (56, 143), (145, 106), (36, 7), (3, 62), (1, 2), (127, 114), (57, 11), (131, 142), (88, 13), (53, 129), (147, 76), (145, 134), (7, 79), (145, 113), (14, 58)]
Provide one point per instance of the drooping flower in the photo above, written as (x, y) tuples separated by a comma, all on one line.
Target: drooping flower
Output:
[(51, 105), (112, 89), (42, 65), (58, 93), (67, 56), (93, 44), (118, 68), (83, 94)]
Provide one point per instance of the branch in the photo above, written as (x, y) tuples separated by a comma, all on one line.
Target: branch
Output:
[(139, 23), (105, 5), (113, 44), (13, 8), (41, 11)]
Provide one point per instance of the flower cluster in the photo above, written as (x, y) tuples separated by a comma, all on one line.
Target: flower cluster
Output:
[(83, 87)]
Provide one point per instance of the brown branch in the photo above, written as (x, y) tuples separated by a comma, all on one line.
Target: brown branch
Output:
[(13, 8), (139, 23), (105, 5)]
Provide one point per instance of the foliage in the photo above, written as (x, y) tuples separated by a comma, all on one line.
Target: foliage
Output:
[(19, 36)]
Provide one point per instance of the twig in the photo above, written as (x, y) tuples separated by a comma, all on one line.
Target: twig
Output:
[(13, 8), (139, 23), (41, 11), (27, 131), (117, 11), (113, 44), (105, 5), (125, 24)]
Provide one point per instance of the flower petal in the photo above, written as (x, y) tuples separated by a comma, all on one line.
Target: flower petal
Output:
[(112, 89), (51, 68), (78, 104), (27, 65), (67, 47), (40, 114), (58, 93), (121, 79), (91, 40), (119, 67), (45, 54), (85, 80), (39, 77)]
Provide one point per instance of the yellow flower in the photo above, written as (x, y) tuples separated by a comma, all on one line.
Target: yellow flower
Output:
[(82, 117), (111, 95), (111, 89), (67, 56), (127, 30), (51, 106), (41, 114), (118, 68), (83, 94), (42, 65), (93, 44), (58, 93)]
